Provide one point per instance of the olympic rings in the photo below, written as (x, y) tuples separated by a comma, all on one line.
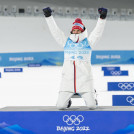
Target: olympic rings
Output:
[(126, 86), (130, 99), (73, 119), (116, 73)]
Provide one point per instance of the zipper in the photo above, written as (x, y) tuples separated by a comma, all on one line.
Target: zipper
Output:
[(74, 77)]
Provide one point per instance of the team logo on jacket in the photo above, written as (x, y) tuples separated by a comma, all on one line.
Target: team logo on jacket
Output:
[(80, 50), (80, 45)]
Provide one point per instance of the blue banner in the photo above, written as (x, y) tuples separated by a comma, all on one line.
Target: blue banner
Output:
[(113, 57), (114, 71), (123, 100), (0, 74), (111, 68), (120, 86), (32, 59), (13, 69), (67, 122), (56, 58)]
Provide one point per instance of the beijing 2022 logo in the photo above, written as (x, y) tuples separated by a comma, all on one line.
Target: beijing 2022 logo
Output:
[(72, 123)]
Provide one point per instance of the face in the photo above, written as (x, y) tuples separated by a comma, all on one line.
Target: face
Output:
[(76, 31)]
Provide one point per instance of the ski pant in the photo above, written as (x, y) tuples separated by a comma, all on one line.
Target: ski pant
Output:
[(64, 98)]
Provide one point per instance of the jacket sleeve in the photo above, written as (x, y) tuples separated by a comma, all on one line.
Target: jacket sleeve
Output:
[(55, 31), (97, 32)]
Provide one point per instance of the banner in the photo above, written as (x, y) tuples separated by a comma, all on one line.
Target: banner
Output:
[(13, 70), (32, 59), (66, 122), (123, 100), (114, 71), (120, 86), (113, 57), (56, 58)]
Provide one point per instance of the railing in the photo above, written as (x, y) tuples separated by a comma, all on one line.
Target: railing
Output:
[(87, 13)]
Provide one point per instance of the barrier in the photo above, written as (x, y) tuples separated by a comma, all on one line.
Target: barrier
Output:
[(61, 122), (56, 58)]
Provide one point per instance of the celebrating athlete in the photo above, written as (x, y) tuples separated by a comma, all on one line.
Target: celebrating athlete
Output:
[(77, 74)]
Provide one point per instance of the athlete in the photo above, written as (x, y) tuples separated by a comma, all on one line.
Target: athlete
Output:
[(77, 74)]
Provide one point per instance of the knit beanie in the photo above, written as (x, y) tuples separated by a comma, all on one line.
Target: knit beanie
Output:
[(77, 24)]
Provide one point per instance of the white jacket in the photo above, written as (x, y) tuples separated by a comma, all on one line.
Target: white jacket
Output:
[(77, 75)]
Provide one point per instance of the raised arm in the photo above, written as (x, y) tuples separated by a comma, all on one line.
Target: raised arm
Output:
[(54, 29), (98, 30)]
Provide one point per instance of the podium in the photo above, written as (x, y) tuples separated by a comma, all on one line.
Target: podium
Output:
[(76, 120)]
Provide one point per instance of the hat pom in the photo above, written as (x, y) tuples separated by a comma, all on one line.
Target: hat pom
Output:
[(78, 20)]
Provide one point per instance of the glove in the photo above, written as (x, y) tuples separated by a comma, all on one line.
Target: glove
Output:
[(47, 11), (103, 12)]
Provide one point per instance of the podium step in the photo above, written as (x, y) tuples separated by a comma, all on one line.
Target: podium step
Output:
[(73, 108), (76, 120)]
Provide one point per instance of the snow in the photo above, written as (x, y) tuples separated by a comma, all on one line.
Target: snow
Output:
[(39, 86)]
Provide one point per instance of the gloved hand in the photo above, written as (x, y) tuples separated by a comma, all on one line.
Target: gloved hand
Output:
[(47, 11), (103, 12)]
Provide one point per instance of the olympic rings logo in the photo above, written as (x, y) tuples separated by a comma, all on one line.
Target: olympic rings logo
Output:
[(73, 119), (116, 73), (76, 45), (130, 99), (126, 86)]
